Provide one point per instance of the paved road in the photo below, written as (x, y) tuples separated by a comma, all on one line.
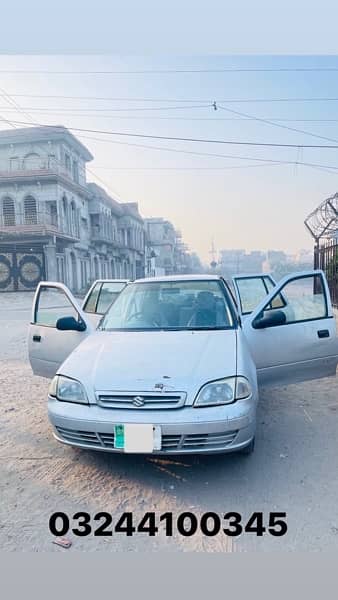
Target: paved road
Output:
[(294, 468)]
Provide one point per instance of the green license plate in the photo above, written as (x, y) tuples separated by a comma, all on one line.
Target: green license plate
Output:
[(119, 437)]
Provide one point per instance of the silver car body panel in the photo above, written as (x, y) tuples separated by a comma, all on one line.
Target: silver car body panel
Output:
[(114, 363)]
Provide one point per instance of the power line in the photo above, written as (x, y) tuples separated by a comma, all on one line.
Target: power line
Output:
[(329, 168), (229, 167), (70, 113), (308, 164), (81, 110), (186, 139), (269, 122), (171, 71), (265, 162), (175, 100)]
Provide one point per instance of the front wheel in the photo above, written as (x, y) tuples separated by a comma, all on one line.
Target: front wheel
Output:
[(247, 450)]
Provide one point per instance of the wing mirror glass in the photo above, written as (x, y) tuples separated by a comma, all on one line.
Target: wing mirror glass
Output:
[(271, 319), (70, 324)]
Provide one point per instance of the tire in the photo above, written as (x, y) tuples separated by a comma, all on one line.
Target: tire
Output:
[(249, 448)]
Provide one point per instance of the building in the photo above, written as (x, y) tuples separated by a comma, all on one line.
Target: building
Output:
[(161, 244), (117, 236), (166, 253), (53, 224), (238, 261)]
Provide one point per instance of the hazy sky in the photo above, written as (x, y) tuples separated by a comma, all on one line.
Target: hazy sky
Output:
[(235, 200)]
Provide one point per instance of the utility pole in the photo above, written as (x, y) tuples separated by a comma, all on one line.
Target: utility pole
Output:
[(212, 251)]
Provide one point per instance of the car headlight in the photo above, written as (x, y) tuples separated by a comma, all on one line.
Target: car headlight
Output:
[(68, 390), (223, 391)]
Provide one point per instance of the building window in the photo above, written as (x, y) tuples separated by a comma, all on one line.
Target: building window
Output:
[(51, 161), (61, 274), (73, 263), (30, 212), (73, 219), (75, 171), (53, 213), (14, 163), (96, 268), (84, 276), (65, 214), (67, 161), (8, 212)]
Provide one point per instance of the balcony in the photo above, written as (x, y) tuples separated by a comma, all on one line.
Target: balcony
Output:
[(39, 223), (98, 234), (38, 171)]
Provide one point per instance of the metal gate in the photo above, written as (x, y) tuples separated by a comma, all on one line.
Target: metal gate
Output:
[(326, 258), (21, 270)]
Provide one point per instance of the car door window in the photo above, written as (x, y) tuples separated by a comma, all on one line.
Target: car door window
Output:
[(107, 295), (251, 291), (52, 304), (278, 301), (304, 299), (91, 302)]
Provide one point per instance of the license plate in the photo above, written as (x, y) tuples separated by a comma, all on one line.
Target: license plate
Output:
[(143, 438)]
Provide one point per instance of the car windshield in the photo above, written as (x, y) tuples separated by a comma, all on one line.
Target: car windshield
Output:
[(170, 305)]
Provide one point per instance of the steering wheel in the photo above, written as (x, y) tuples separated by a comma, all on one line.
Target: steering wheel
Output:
[(139, 315)]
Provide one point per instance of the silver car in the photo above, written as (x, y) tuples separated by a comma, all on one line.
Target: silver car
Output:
[(175, 363)]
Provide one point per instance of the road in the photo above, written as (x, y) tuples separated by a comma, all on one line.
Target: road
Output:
[(294, 468)]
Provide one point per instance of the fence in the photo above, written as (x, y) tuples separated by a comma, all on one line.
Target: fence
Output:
[(326, 258)]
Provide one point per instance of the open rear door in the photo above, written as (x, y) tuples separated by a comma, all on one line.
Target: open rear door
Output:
[(292, 332), (100, 297), (48, 347)]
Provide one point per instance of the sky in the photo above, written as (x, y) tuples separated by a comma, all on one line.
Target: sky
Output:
[(237, 199)]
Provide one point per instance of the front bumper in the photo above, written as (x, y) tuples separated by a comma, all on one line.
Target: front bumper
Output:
[(186, 430)]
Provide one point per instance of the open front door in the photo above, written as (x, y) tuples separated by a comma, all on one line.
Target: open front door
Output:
[(48, 346), (292, 332)]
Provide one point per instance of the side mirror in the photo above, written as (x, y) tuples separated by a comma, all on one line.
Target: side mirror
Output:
[(272, 319), (70, 324)]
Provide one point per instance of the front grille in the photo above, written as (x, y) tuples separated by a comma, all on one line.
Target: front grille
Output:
[(141, 400), (198, 441), (170, 443)]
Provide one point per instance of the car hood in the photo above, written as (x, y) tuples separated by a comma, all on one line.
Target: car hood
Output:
[(138, 360)]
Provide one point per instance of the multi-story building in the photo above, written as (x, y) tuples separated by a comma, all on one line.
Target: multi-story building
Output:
[(166, 253), (117, 234), (161, 247), (53, 224)]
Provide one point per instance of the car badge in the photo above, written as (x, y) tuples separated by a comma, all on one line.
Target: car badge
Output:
[(138, 401)]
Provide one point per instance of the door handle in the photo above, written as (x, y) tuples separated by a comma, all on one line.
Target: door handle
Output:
[(323, 333), (36, 338)]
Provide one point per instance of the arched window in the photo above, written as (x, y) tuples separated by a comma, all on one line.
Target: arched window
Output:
[(32, 161), (30, 212), (8, 212)]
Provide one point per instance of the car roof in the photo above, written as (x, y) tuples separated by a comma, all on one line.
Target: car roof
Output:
[(112, 280), (168, 278)]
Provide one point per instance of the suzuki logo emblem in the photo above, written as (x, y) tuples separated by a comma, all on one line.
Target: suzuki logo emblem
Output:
[(138, 401)]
